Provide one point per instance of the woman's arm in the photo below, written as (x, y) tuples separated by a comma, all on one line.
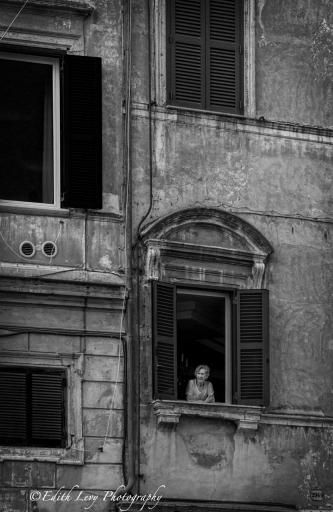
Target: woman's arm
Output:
[(190, 394), (210, 398)]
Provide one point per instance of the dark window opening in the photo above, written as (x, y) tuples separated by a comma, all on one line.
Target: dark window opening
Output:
[(201, 339), (226, 331), (32, 407), (51, 130), (26, 132)]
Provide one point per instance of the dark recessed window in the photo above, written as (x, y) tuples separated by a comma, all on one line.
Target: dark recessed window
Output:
[(227, 331), (205, 54), (32, 407), (50, 131)]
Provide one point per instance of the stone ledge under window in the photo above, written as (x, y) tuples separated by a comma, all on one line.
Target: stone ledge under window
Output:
[(246, 417), (168, 413)]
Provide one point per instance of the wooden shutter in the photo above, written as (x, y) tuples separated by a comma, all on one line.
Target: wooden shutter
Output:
[(165, 340), (13, 406), (81, 132), (205, 54), (224, 55), (186, 53), (47, 408), (252, 347)]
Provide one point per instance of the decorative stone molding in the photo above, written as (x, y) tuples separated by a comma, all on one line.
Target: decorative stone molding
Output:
[(168, 413), (153, 260), (206, 245), (258, 271), (247, 418)]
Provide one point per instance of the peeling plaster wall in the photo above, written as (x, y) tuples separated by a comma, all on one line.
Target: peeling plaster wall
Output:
[(277, 178), (77, 312), (287, 85)]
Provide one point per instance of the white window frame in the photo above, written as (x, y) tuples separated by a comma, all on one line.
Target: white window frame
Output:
[(228, 356), (159, 68), (56, 128), (73, 453)]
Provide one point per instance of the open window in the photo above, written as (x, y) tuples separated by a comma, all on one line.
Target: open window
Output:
[(193, 326), (50, 130)]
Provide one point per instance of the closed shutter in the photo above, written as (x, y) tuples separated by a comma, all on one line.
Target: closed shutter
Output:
[(224, 55), (252, 347), (47, 408), (186, 77), (13, 406), (81, 132), (32, 407), (205, 54), (165, 340)]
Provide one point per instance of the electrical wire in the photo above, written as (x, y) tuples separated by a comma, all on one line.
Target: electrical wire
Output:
[(13, 20)]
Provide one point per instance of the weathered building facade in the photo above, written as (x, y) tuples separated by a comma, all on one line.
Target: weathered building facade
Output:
[(210, 242)]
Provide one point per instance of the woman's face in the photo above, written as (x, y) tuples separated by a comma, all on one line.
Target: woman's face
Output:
[(201, 375)]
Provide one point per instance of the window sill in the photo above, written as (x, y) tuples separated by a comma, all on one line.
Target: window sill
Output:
[(34, 210), (169, 412), (73, 455)]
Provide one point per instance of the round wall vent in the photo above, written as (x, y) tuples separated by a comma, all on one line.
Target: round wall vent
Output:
[(49, 249), (27, 249)]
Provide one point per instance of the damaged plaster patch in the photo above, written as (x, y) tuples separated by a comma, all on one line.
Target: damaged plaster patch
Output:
[(213, 449), (322, 51), (317, 468)]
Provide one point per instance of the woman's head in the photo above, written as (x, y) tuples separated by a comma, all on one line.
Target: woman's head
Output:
[(202, 372)]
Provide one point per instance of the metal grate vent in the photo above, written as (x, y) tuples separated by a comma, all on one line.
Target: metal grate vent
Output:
[(49, 249), (27, 249)]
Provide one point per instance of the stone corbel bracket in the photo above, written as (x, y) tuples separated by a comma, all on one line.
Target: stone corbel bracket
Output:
[(153, 259), (169, 412), (258, 272)]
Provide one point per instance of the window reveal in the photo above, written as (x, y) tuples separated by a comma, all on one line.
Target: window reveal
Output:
[(205, 54), (190, 329)]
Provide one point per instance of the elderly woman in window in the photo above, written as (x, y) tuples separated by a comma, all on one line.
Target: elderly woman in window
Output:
[(200, 389)]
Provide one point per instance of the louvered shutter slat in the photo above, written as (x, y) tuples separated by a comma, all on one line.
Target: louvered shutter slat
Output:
[(165, 348), (252, 347), (224, 76), (82, 132), (186, 53), (12, 407), (47, 402)]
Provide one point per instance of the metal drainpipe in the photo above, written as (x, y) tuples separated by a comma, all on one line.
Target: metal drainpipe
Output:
[(130, 399)]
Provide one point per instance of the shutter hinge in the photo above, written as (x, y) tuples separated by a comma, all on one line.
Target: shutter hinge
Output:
[(240, 48), (171, 40), (171, 96), (240, 104), (62, 63)]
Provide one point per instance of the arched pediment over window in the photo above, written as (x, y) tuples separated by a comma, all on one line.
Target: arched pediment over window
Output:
[(205, 245)]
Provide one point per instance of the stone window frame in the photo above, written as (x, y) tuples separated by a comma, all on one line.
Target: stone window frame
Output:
[(159, 69), (160, 252), (72, 364)]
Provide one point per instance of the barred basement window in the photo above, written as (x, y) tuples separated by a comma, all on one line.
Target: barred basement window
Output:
[(227, 331), (50, 130), (32, 407), (205, 54)]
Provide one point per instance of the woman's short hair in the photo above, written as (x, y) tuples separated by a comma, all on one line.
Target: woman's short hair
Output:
[(202, 367)]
